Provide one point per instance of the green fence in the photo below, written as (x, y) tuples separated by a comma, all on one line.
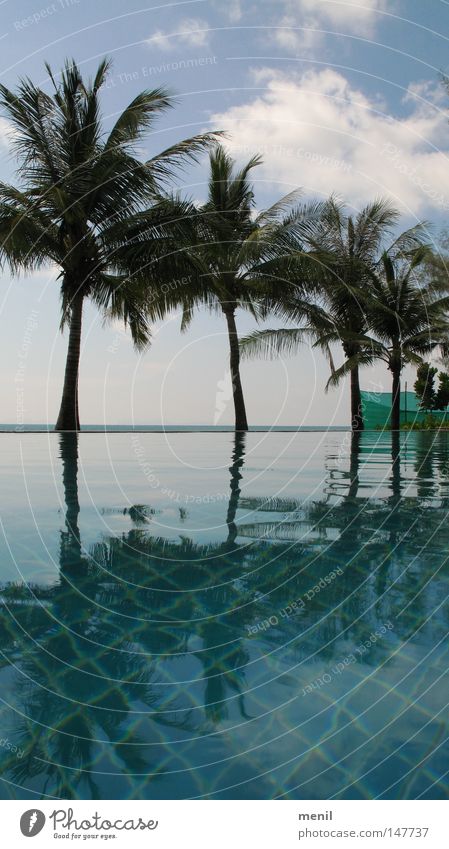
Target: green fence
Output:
[(377, 409)]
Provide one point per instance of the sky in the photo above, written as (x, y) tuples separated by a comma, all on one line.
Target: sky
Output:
[(342, 97)]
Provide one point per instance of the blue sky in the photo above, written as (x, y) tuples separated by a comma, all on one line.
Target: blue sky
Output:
[(338, 96)]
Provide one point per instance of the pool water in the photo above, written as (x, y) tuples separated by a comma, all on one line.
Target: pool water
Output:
[(208, 616)]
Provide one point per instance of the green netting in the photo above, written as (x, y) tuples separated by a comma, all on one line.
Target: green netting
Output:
[(377, 408)]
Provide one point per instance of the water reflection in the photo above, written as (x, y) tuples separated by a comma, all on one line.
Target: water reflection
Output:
[(152, 665)]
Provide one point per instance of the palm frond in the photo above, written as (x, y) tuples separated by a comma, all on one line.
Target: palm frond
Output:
[(121, 298), (167, 163), (362, 358), (138, 116), (274, 343), (278, 209)]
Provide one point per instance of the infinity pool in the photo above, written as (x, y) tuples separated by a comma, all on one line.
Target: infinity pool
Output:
[(209, 616)]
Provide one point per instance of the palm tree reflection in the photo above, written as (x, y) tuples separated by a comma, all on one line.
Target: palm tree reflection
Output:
[(107, 645), (70, 548), (238, 459), (113, 613)]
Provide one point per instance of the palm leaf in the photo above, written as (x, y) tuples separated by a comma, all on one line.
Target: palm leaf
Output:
[(273, 343), (136, 119)]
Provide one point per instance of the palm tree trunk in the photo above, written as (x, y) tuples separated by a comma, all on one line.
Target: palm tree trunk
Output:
[(68, 418), (70, 554), (395, 467), (238, 459), (396, 401), (241, 422), (354, 465), (357, 422)]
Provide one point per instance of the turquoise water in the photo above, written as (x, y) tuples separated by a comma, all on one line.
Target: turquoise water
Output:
[(203, 616)]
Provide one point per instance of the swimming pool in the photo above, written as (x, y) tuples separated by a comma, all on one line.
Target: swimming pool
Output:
[(227, 617)]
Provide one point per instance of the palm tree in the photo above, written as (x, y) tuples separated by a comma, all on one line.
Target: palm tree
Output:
[(405, 313), (87, 203), (238, 255), (344, 250)]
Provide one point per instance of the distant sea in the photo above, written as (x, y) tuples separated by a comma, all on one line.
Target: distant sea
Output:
[(93, 428)]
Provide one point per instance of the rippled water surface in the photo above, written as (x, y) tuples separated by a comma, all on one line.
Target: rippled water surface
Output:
[(203, 615)]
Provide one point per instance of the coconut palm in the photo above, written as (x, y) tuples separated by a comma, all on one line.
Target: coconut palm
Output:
[(406, 315), (239, 256), (87, 203), (345, 250)]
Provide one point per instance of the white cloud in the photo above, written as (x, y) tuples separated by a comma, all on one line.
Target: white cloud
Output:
[(318, 131), (302, 23), (192, 32), (232, 9), (291, 38), (357, 16), (6, 133)]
